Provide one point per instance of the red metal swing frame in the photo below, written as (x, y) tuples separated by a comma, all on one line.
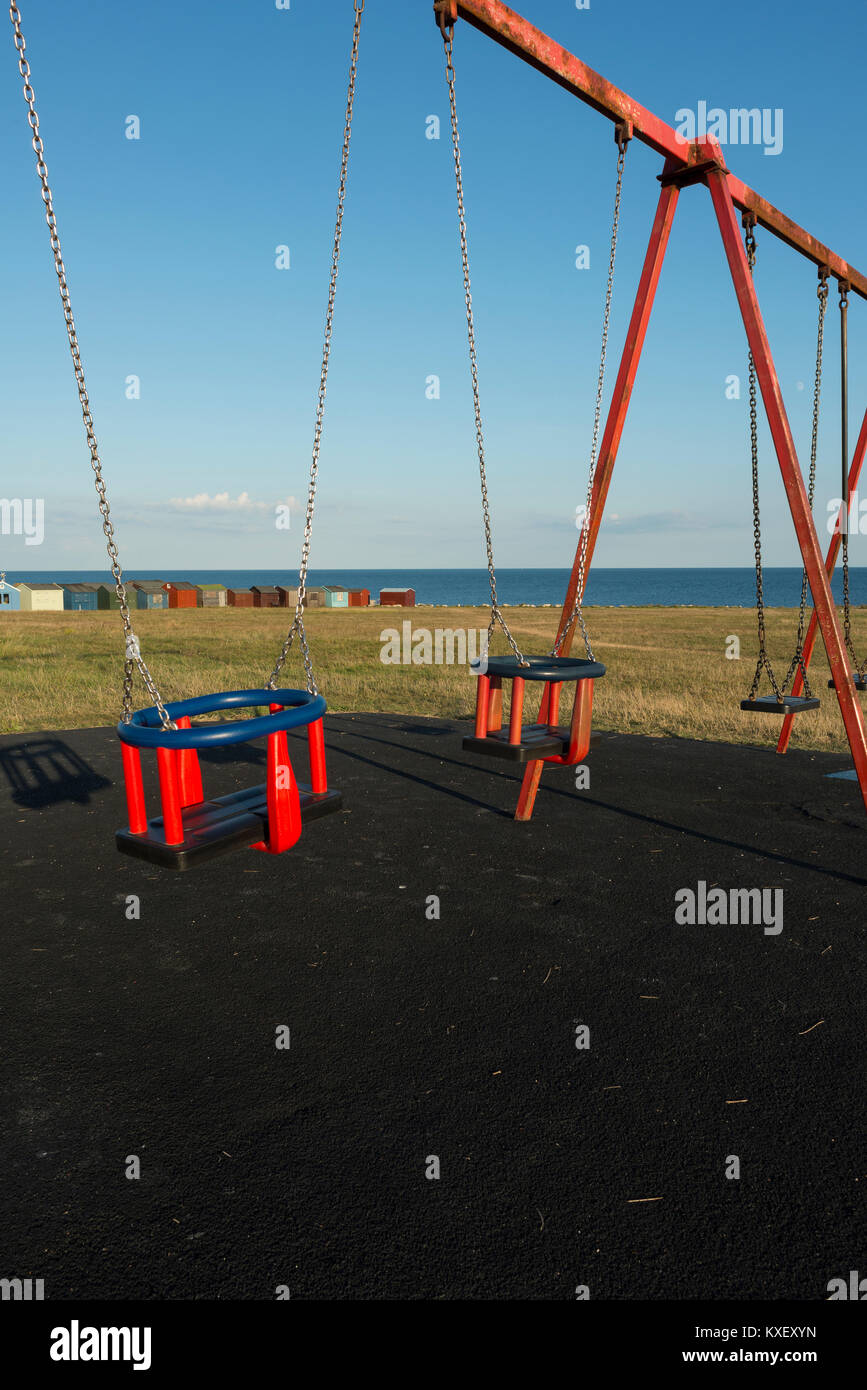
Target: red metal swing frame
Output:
[(686, 164)]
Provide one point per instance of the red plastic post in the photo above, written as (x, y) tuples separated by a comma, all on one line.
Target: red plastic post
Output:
[(516, 710), (552, 714), (482, 694), (170, 795), (284, 805), (316, 746), (135, 798), (582, 723), (189, 770), (495, 705), (580, 728)]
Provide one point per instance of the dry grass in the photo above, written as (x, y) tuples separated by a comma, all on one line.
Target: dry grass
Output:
[(667, 669)]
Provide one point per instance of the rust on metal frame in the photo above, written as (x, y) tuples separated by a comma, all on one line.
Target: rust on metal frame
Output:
[(447, 13), (516, 34), (789, 232)]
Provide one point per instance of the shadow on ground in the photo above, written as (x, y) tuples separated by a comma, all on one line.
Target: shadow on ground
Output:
[(415, 1035)]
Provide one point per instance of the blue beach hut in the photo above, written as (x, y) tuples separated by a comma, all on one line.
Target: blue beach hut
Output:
[(81, 598), (150, 593), (10, 598)]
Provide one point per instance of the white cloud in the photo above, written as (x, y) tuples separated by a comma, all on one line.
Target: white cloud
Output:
[(223, 502), (669, 522)]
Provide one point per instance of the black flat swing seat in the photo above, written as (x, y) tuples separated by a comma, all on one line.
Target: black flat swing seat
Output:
[(790, 704), (546, 740), (859, 681), (538, 743), (212, 828), (192, 830)]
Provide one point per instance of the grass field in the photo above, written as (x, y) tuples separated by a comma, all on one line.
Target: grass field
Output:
[(667, 668)]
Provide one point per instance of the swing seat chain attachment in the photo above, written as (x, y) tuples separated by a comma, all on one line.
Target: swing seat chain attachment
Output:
[(446, 12)]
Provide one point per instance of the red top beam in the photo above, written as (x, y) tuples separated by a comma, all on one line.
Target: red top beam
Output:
[(509, 29)]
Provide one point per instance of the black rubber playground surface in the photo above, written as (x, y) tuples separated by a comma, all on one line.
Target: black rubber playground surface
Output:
[(454, 1037)]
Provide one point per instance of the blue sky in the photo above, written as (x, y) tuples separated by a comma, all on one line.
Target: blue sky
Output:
[(170, 246)]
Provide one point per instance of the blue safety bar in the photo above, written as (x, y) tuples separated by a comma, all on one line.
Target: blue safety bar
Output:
[(300, 708)]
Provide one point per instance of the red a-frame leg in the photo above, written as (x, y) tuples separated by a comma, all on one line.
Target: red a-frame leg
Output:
[(830, 563), (793, 481), (613, 432)]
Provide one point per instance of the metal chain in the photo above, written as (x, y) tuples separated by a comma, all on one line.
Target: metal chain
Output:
[(577, 613), (298, 622), (860, 666), (798, 659), (763, 662), (496, 613), (133, 653)]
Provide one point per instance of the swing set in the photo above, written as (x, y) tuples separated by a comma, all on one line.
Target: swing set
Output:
[(270, 817), (686, 164)]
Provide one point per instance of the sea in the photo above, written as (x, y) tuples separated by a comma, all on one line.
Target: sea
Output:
[(608, 588)]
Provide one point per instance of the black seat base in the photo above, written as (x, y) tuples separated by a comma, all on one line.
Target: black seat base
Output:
[(536, 744), (860, 682), (769, 704), (216, 827)]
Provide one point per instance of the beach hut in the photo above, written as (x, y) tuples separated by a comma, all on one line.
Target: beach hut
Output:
[(150, 593), (359, 598), (182, 594), (397, 598), (10, 598), (267, 596), (43, 598), (313, 598), (212, 595), (335, 597), (239, 598), (81, 598), (106, 596)]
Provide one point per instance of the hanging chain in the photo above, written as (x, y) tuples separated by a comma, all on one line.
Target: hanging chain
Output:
[(860, 666), (448, 31), (763, 663), (622, 136), (798, 659), (298, 622), (847, 605), (797, 662), (133, 652)]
